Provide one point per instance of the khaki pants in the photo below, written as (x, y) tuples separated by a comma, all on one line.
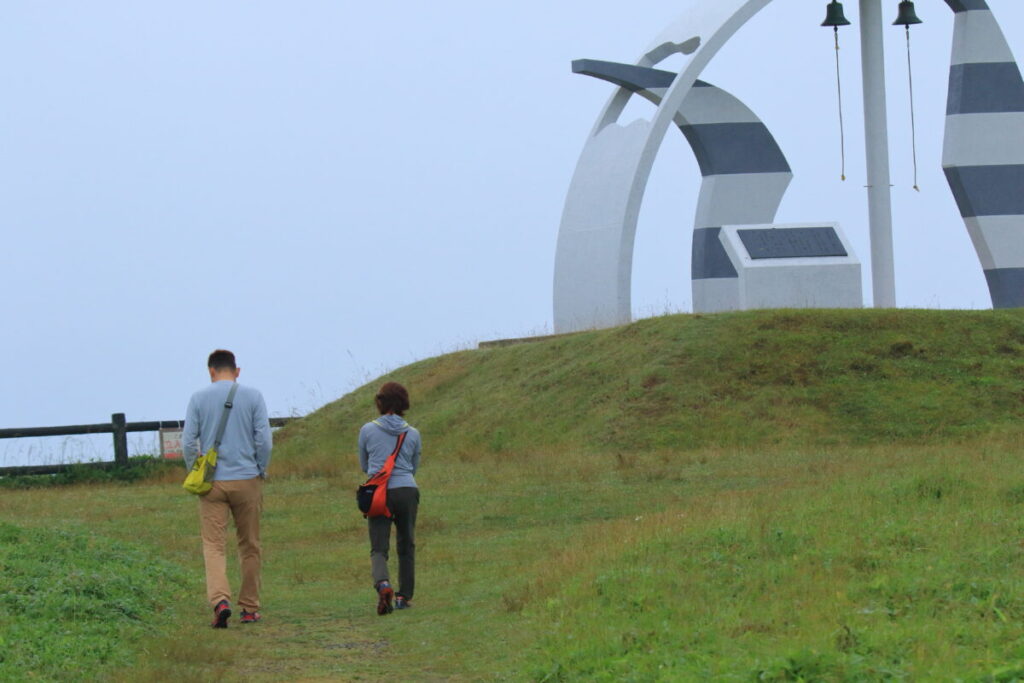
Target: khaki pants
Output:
[(243, 500)]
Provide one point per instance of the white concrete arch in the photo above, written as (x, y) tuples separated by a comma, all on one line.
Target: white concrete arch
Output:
[(594, 257)]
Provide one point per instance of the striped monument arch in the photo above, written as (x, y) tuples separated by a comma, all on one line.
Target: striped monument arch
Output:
[(745, 174)]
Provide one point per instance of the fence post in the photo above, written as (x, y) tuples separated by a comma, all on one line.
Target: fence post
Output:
[(119, 423)]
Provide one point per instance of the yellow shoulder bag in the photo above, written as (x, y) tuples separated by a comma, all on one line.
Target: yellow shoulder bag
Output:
[(200, 478)]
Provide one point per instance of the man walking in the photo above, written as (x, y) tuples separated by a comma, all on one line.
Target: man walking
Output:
[(242, 461)]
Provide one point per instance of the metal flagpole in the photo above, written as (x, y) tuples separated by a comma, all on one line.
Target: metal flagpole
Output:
[(876, 138)]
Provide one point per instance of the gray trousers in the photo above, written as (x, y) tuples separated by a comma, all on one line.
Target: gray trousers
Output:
[(403, 503)]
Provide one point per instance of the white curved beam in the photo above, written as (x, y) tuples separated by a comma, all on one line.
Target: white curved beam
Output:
[(594, 257)]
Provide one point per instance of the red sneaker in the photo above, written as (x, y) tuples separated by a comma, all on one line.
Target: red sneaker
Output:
[(384, 595), (250, 617), (221, 612)]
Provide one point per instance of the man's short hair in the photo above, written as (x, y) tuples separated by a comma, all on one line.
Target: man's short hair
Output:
[(392, 398), (221, 360)]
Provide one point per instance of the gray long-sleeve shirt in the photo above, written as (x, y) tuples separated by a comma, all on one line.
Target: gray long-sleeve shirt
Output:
[(377, 441), (245, 449)]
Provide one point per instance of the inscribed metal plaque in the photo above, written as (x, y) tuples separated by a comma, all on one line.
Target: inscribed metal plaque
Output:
[(792, 243)]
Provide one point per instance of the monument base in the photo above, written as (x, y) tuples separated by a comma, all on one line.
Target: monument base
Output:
[(796, 265)]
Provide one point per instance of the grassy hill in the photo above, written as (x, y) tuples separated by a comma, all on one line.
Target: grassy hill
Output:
[(760, 496), (795, 378)]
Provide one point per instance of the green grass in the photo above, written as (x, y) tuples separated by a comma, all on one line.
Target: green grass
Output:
[(75, 605), (761, 496), (749, 380), (884, 565)]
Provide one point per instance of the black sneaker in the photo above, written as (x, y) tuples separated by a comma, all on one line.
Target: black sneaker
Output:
[(250, 617), (402, 603), (221, 613), (384, 595)]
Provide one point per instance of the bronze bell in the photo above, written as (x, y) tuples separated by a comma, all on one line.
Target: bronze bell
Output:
[(907, 15), (834, 15)]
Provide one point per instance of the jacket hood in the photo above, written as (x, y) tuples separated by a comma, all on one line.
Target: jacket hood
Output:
[(392, 424)]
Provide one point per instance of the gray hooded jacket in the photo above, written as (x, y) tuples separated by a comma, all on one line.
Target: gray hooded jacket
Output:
[(377, 441)]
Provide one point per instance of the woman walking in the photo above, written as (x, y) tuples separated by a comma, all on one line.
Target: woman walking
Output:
[(378, 440)]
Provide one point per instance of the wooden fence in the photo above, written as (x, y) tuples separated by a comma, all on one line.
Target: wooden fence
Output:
[(117, 426)]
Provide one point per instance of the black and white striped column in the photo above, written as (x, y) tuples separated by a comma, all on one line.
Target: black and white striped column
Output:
[(983, 155)]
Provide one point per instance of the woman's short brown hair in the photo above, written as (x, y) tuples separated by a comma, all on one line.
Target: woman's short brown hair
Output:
[(392, 398)]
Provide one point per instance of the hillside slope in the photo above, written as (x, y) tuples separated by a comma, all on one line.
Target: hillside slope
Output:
[(791, 378)]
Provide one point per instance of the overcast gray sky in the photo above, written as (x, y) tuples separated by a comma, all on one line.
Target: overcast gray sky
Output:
[(333, 189)]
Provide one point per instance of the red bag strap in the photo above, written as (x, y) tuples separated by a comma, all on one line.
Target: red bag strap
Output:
[(382, 475), (379, 506), (389, 464)]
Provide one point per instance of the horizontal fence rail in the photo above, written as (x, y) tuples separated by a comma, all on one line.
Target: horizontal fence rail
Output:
[(108, 428), (117, 426)]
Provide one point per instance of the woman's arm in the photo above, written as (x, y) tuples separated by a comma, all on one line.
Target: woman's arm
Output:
[(364, 455), (416, 454)]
